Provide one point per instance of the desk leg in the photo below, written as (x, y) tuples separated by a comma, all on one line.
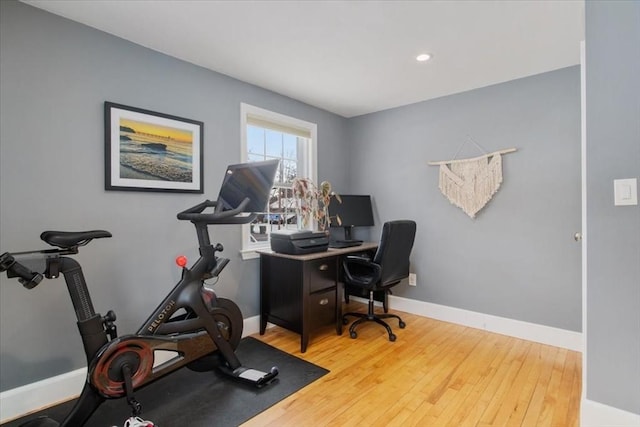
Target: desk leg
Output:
[(304, 342), (339, 295), (263, 324)]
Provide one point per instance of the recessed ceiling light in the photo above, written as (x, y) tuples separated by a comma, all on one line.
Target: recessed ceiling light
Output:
[(423, 57)]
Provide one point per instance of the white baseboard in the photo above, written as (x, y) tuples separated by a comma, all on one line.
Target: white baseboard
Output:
[(252, 325), (32, 397), (594, 414), (515, 328)]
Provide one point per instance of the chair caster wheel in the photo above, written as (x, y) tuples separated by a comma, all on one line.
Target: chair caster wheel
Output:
[(392, 337), (402, 324), (353, 335), (345, 321)]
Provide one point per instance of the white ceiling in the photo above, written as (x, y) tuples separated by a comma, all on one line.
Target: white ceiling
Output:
[(349, 57)]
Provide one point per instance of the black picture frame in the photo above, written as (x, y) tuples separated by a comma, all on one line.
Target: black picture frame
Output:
[(150, 151)]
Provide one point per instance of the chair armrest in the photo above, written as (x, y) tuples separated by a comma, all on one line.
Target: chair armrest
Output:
[(361, 271), (360, 258)]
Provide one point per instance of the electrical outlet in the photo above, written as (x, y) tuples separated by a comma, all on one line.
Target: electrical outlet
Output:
[(413, 279)]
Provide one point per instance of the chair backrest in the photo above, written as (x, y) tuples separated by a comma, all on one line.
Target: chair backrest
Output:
[(394, 249)]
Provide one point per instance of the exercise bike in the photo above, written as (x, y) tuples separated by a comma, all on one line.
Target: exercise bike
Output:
[(199, 329)]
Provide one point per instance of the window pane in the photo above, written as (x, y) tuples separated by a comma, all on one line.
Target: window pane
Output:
[(290, 146), (278, 179), (289, 171), (255, 140), (254, 157), (280, 202), (273, 143), (279, 216)]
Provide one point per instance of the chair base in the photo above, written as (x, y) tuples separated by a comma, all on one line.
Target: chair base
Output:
[(371, 316)]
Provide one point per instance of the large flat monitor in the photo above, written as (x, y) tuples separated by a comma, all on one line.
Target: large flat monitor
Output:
[(354, 211)]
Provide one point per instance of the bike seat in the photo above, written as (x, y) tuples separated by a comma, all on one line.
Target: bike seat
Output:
[(70, 239)]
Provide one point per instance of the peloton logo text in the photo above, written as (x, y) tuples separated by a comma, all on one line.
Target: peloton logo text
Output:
[(161, 316)]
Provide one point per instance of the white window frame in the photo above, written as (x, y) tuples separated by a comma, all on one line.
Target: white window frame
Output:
[(248, 249)]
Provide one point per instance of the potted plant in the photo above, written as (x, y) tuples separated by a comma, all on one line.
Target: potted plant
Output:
[(312, 203)]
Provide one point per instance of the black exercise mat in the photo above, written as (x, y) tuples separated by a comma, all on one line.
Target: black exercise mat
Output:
[(205, 399)]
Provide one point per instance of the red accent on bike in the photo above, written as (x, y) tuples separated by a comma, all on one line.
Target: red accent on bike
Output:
[(181, 261)]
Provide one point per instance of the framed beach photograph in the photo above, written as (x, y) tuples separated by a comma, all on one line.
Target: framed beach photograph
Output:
[(150, 151)]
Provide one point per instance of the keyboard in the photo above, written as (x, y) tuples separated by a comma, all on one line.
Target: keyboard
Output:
[(338, 244)]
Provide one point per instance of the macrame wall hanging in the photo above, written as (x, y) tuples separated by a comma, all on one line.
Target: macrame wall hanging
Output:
[(470, 183)]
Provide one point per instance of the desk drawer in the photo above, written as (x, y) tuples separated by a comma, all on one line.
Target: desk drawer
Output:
[(321, 274), (322, 308)]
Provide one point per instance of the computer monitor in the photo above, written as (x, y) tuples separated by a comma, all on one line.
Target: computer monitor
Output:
[(354, 211)]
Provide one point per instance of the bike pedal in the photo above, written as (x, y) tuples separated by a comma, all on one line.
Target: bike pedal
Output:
[(256, 377)]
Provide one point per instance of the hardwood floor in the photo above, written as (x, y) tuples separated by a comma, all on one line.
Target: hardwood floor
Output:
[(435, 374)]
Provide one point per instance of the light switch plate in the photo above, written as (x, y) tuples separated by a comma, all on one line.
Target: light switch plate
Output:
[(625, 192)]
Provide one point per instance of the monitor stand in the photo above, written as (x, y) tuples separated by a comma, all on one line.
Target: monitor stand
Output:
[(348, 240), (347, 233)]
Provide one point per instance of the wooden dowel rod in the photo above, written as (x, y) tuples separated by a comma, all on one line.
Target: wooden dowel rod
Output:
[(446, 162)]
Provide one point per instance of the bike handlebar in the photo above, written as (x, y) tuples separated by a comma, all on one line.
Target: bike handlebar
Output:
[(194, 214), (29, 279)]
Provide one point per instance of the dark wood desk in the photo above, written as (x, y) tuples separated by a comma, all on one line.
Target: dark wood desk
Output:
[(302, 292)]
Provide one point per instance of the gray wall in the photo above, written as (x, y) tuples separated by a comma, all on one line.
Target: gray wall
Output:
[(517, 259), (54, 77), (613, 233)]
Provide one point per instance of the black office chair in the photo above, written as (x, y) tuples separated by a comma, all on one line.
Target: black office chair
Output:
[(387, 268)]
